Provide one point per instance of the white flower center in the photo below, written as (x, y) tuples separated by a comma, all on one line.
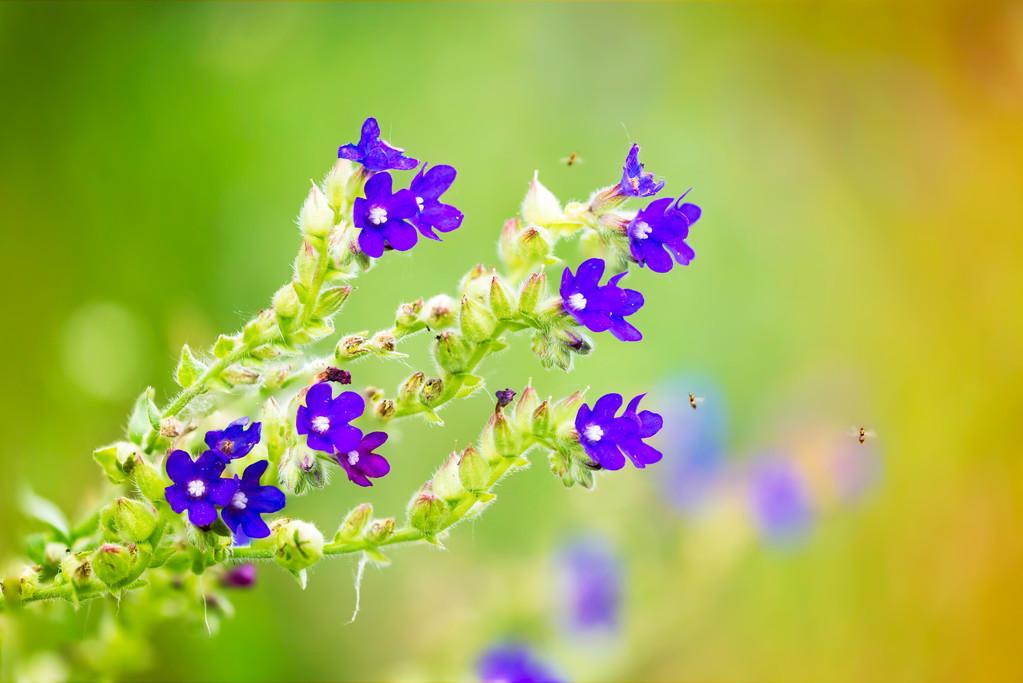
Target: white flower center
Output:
[(593, 433), (353, 458), (377, 215), (321, 423), (577, 301), (641, 230), (196, 488), (239, 500), (419, 203)]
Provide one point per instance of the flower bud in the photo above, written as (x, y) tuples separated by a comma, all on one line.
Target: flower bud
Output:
[(373, 394), (446, 483), (408, 391), (335, 185), (504, 438), (239, 576), (354, 522), (501, 299), (507, 245), (149, 479), (383, 342), (529, 400), (535, 246), (285, 302), (260, 327), (542, 418), (76, 569), (276, 429), (549, 351), (297, 544), (426, 511), (331, 300), (540, 206), (189, 368), (114, 563), (407, 316), (564, 411), (380, 530), (452, 352), (127, 520), (225, 345), (316, 218), (439, 312), (473, 470), (477, 321), (476, 283), (53, 554), (533, 290), (351, 347), (306, 265), (575, 343), (385, 409), (431, 391), (239, 374), (20, 583)]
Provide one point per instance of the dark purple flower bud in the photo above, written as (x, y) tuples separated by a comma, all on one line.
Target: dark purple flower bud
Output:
[(236, 440), (325, 419), (591, 586), (332, 374), (659, 232), (600, 307), (504, 396), (779, 499), (361, 463), (383, 217), (198, 486), (635, 182), (239, 576), (427, 187), (514, 663), (243, 513), (375, 153)]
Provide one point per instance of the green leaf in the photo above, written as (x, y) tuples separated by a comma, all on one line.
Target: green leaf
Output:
[(224, 346), (189, 368), (109, 461), (469, 385), (377, 557), (45, 511), (144, 416)]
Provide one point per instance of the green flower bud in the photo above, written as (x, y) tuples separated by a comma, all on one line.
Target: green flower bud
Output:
[(384, 410), (127, 520), (504, 437), (452, 352), (564, 411), (407, 316), (20, 583), (431, 391), (380, 530), (476, 283), (473, 470), (477, 321), (277, 430), (149, 480), (533, 290), (306, 264), (446, 482), (53, 554), (114, 563), (507, 245), (501, 299), (317, 217), (331, 300), (541, 422), (351, 347), (535, 246), (354, 522), (239, 374), (336, 184), (426, 511), (115, 460), (540, 206), (297, 544), (574, 342), (285, 302), (225, 345), (439, 312), (77, 569), (260, 327), (528, 402), (408, 391), (383, 342)]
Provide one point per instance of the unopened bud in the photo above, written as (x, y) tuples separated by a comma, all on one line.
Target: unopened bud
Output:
[(504, 397), (528, 402), (540, 206), (333, 374), (542, 418), (306, 265), (407, 316), (354, 522), (426, 511), (351, 347), (297, 544), (316, 218), (372, 393), (113, 563), (507, 244), (501, 299), (20, 583), (431, 391), (549, 351), (285, 302), (335, 185), (452, 352), (408, 391), (331, 300), (564, 411), (127, 520), (576, 343), (446, 482), (239, 374), (385, 409), (477, 321), (260, 327), (149, 479), (533, 290), (534, 246), (439, 312), (476, 283), (473, 470), (383, 342), (380, 530), (76, 568)]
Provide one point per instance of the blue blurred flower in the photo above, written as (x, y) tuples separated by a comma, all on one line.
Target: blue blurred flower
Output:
[(779, 499), (591, 586), (513, 663)]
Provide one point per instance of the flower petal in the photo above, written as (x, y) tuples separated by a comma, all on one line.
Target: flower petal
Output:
[(372, 441), (345, 438), (589, 273), (177, 498), (180, 467), (373, 465), (606, 407), (370, 131), (371, 241), (266, 499), (254, 472), (443, 217), (434, 182), (400, 235), (319, 396), (254, 526), (624, 331), (378, 188), (201, 513), (347, 406)]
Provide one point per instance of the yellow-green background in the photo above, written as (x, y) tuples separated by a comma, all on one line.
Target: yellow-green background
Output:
[(858, 260)]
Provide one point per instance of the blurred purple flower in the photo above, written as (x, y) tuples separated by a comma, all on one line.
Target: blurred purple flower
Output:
[(600, 307), (591, 586), (198, 486), (513, 663), (361, 463), (427, 187), (375, 153), (779, 499), (382, 217), (325, 419), (239, 576), (235, 440)]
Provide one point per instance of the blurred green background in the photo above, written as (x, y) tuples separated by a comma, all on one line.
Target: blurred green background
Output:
[(859, 261)]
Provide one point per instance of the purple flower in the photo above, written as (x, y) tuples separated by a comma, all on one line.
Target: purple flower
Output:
[(197, 486), (236, 440), (601, 433), (600, 307), (326, 419), (360, 463), (374, 153), (659, 232), (636, 183), (591, 586), (647, 424), (382, 217), (504, 396), (513, 663), (239, 576), (779, 499), (427, 187), (243, 513)]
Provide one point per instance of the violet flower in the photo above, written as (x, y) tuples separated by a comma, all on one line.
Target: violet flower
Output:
[(325, 419), (432, 215), (234, 441), (659, 231), (635, 182), (600, 307), (601, 433), (198, 487), (239, 576), (648, 423), (375, 153), (779, 499), (361, 463), (591, 586), (513, 663), (243, 513), (383, 217)]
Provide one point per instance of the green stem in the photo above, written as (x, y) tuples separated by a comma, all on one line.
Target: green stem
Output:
[(67, 592), (315, 286)]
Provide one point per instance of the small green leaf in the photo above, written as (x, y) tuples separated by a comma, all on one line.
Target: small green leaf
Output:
[(224, 346), (144, 416), (45, 511), (189, 368), (377, 557), (469, 385), (110, 462)]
